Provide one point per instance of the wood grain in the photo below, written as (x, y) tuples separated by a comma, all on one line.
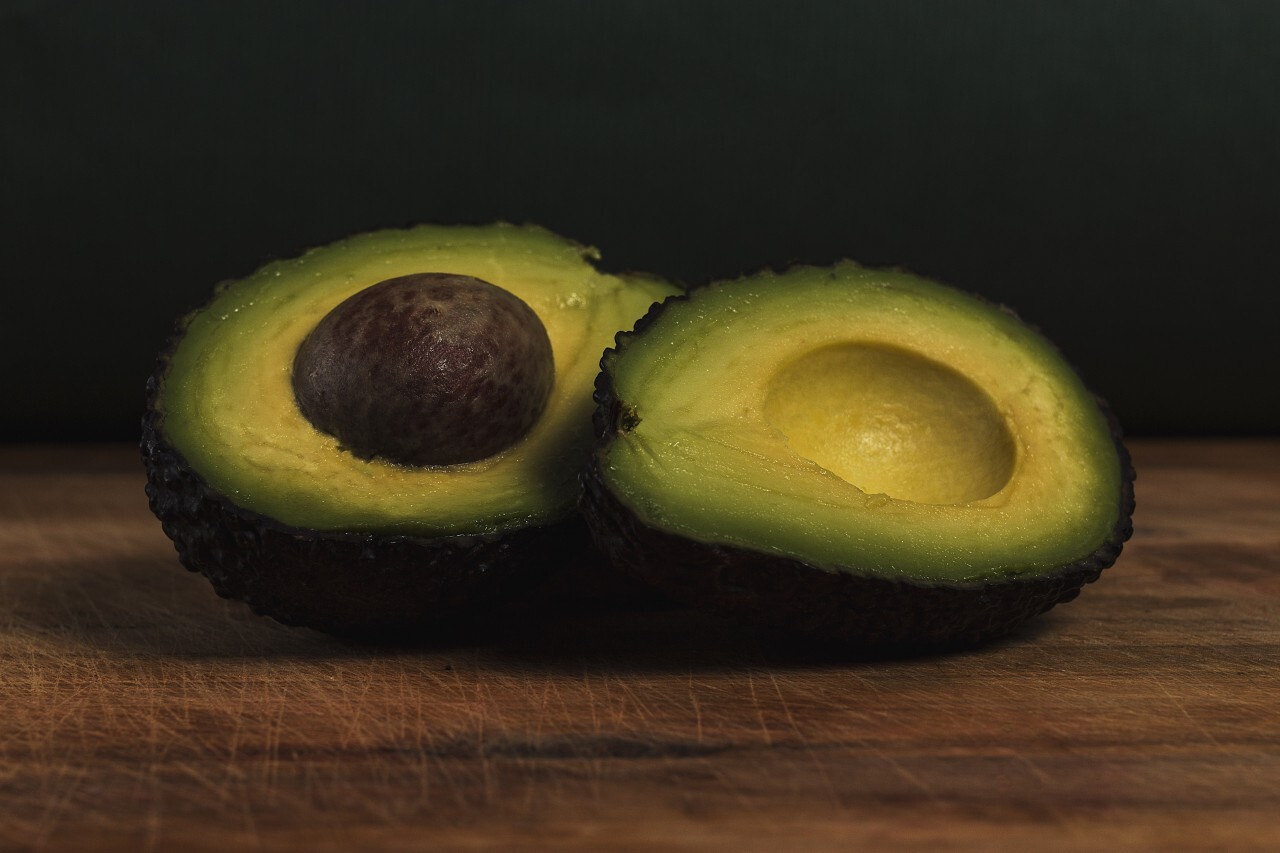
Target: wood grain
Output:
[(138, 711)]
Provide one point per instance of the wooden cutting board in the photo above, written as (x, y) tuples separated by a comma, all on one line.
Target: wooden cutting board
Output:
[(140, 712)]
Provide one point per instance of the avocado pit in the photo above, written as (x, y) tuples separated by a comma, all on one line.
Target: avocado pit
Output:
[(426, 369), (892, 421)]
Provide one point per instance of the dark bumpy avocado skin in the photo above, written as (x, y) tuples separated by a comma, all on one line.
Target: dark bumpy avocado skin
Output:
[(871, 613)]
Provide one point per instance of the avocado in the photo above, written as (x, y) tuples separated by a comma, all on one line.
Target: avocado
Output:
[(382, 437), (860, 455)]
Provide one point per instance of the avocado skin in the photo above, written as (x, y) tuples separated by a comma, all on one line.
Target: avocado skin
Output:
[(359, 586), (876, 614)]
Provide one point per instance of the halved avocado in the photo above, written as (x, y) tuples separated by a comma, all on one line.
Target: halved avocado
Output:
[(860, 455), (372, 540)]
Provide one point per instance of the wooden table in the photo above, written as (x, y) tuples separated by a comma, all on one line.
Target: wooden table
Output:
[(139, 711)]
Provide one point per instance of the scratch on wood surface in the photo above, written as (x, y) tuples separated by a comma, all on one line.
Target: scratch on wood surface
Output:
[(759, 710), (275, 731), (590, 695), (832, 796), (354, 702), (786, 707), (1041, 776), (215, 791), (1182, 709), (541, 719), (697, 713), (640, 709), (905, 774), (91, 604)]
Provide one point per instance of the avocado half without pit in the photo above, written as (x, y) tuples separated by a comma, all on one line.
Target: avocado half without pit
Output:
[(383, 436), (859, 455)]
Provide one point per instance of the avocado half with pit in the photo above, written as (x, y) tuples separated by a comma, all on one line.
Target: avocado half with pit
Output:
[(383, 436), (856, 454)]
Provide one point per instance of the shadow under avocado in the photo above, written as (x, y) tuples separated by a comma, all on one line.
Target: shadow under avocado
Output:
[(683, 640), (144, 606), (148, 606)]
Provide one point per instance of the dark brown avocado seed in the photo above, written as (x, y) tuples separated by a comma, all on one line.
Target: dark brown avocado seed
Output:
[(426, 369)]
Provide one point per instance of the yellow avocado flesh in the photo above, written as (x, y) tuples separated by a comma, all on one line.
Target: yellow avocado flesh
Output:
[(881, 417), (862, 420), (228, 404)]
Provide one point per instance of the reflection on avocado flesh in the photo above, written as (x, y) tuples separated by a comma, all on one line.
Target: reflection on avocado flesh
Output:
[(890, 421)]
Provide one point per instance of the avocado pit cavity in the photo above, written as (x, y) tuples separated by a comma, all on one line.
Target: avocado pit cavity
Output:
[(426, 369), (891, 421)]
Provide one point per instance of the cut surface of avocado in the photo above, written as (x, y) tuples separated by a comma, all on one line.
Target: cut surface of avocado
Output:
[(860, 421), (227, 405)]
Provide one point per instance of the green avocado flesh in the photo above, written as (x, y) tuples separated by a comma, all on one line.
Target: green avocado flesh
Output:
[(227, 405), (861, 421)]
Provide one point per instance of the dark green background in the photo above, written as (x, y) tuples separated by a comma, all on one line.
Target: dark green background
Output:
[(1112, 170)]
